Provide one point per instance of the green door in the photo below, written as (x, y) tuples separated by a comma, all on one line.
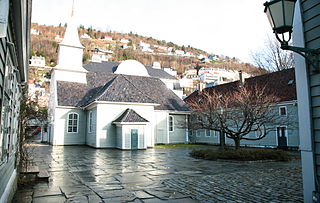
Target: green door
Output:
[(134, 139)]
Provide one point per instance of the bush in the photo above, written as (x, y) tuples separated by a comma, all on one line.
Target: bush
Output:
[(241, 154)]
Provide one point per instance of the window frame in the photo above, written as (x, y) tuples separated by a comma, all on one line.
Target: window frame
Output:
[(90, 123), (198, 133), (171, 124), (285, 109), (206, 134), (72, 126)]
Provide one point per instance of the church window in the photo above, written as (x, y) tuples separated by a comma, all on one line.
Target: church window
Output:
[(73, 119)]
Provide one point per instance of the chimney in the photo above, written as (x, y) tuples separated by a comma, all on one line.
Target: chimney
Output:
[(241, 79)]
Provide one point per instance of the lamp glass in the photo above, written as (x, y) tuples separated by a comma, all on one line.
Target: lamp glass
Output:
[(280, 14), (4, 11), (276, 11), (289, 12)]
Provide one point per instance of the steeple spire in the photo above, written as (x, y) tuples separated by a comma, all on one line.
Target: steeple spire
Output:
[(71, 36), (72, 8), (69, 67)]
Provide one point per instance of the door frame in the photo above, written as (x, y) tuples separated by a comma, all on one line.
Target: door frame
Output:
[(134, 129), (285, 134)]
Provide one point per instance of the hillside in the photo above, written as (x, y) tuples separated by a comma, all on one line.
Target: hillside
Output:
[(45, 40)]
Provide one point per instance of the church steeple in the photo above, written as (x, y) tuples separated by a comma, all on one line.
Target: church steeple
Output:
[(71, 36), (69, 67)]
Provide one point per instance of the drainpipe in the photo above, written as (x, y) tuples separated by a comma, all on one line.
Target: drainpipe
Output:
[(304, 111), (187, 134)]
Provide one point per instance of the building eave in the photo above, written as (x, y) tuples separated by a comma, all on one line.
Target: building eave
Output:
[(68, 107), (175, 112), (21, 35), (122, 103), (130, 123)]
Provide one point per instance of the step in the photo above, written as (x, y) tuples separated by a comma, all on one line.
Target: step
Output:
[(43, 176), (30, 170)]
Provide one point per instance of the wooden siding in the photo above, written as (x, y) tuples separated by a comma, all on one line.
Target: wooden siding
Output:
[(91, 136), (161, 128), (269, 140), (178, 134), (62, 136), (10, 94), (311, 21)]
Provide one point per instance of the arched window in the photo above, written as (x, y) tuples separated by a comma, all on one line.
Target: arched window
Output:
[(73, 120)]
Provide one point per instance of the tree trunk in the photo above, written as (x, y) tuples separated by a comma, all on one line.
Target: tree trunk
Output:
[(237, 143), (222, 140)]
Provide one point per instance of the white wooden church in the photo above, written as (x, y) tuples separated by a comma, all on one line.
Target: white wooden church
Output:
[(126, 108)]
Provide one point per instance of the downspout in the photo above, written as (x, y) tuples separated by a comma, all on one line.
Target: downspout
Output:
[(187, 129), (304, 111)]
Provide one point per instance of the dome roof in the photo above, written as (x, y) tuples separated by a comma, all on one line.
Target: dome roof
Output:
[(132, 67)]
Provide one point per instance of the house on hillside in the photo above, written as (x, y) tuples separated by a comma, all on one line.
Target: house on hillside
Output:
[(34, 31), (58, 38), (107, 38), (14, 60), (124, 41), (179, 52), (111, 105), (37, 61), (85, 36), (282, 85)]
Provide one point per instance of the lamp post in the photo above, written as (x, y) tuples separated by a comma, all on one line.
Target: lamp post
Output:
[(221, 132), (280, 14)]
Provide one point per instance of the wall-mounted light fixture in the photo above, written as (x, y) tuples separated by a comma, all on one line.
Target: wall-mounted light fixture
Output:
[(280, 14), (4, 11)]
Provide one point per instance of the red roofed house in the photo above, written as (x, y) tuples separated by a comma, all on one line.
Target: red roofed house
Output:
[(282, 85)]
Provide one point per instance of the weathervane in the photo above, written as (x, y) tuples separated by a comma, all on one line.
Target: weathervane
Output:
[(72, 12)]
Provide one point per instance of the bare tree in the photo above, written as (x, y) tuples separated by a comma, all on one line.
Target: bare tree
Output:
[(29, 110), (236, 112), (272, 57)]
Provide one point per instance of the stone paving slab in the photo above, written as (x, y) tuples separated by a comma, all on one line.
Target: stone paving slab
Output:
[(85, 175)]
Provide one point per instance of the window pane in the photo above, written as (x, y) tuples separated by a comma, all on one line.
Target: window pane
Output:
[(170, 123), (75, 116), (74, 129), (208, 133), (70, 116)]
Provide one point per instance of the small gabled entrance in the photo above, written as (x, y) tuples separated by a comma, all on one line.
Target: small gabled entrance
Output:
[(130, 130), (134, 138)]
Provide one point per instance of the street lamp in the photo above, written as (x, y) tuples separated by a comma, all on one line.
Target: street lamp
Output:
[(280, 14)]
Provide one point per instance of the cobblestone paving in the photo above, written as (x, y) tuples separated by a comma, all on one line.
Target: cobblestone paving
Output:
[(83, 174), (268, 185)]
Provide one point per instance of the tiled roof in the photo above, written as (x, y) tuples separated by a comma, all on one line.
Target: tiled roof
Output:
[(111, 67), (119, 88), (159, 73), (281, 84), (130, 116)]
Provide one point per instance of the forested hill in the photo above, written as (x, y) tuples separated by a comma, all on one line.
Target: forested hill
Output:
[(45, 40)]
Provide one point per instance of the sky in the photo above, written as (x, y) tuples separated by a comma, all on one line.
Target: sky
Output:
[(232, 28)]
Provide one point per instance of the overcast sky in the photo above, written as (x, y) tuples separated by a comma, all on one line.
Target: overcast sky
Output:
[(225, 27)]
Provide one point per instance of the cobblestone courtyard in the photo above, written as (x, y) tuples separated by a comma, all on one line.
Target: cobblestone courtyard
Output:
[(83, 174)]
